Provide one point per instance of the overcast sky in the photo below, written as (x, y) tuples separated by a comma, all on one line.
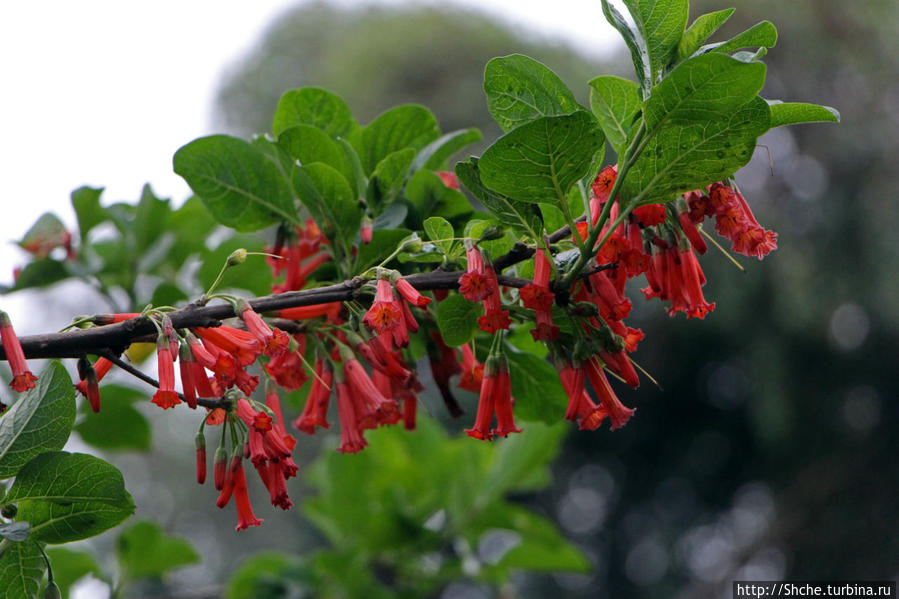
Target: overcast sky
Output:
[(103, 93)]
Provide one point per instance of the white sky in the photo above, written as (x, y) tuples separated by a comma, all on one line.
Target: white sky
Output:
[(102, 93)]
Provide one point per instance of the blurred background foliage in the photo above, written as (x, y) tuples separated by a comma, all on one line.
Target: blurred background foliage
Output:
[(770, 451)]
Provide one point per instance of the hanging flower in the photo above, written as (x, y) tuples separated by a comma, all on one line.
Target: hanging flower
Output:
[(384, 314), (617, 412), (22, 379), (351, 439), (475, 284), (166, 396), (274, 341)]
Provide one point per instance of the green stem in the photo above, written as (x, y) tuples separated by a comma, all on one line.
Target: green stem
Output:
[(590, 248)]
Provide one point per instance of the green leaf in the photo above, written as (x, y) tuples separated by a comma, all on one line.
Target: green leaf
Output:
[(149, 218), (388, 177), (383, 243), (253, 275), (794, 113), (86, 202), (440, 232), (39, 421), (47, 232), (520, 459), (428, 196), (71, 566), (144, 551), (359, 180), (118, 426), (39, 273), (538, 393), (316, 107), (520, 90), (703, 88), (457, 319), (268, 570), (190, 224), (661, 24), (69, 496), (682, 158), (14, 531), (21, 571), (701, 29), (615, 102), (434, 155), (762, 34), (167, 294), (406, 126), (542, 547), (309, 144), (540, 161), (237, 182), (521, 216), (330, 200), (635, 42)]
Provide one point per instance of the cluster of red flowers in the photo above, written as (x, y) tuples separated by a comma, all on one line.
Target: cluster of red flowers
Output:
[(362, 353)]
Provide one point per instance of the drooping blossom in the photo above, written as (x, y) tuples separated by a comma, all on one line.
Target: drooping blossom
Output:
[(166, 396), (22, 378)]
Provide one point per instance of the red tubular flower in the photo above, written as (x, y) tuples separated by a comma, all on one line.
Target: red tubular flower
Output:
[(449, 179), (384, 315), (288, 368), (692, 233), (693, 279), (735, 221), (241, 345), (411, 294), (379, 355), (22, 379), (602, 185), (274, 341), (89, 383), (315, 410), (245, 516), (472, 370), (537, 295), (502, 404), (166, 396), (219, 468), (618, 414), (257, 420), (366, 231), (200, 443), (330, 309), (373, 409), (230, 478), (475, 284), (351, 440), (573, 380), (410, 404), (650, 215), (612, 304), (186, 363), (273, 478), (494, 318), (104, 319), (481, 428)]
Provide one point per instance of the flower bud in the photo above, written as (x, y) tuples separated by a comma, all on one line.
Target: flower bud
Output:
[(238, 256), (219, 467), (52, 591), (200, 443)]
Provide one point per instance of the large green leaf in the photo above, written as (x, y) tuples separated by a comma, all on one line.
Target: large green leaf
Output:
[(21, 571), (316, 107), (39, 421), (652, 35), (794, 113), (237, 182), (150, 217), (429, 196), (521, 216), (434, 155), (457, 319), (703, 88), (309, 144), (144, 551), (540, 161), (118, 426), (762, 34), (440, 232), (86, 202), (680, 158), (520, 89), (69, 496), (615, 102), (538, 394), (406, 126), (701, 29), (330, 200)]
